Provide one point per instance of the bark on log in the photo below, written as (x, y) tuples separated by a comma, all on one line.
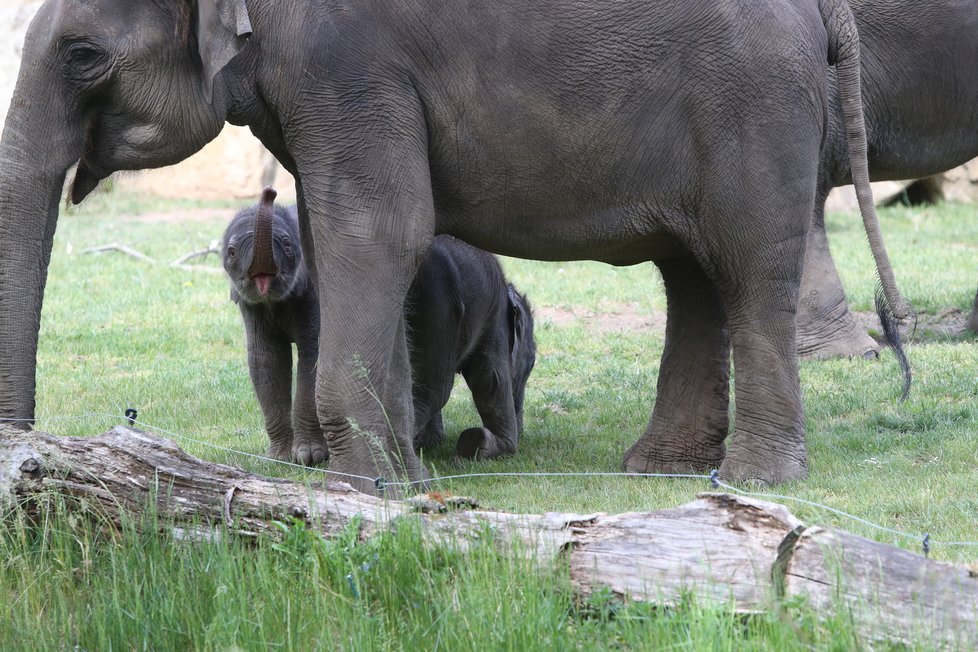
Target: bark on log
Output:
[(725, 549), (891, 593)]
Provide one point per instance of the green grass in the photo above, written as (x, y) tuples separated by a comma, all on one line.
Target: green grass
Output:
[(933, 250), (118, 332), (69, 585)]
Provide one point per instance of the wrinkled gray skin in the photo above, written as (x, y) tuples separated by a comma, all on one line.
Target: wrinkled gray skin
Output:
[(462, 317), (920, 90), (683, 133), (271, 286)]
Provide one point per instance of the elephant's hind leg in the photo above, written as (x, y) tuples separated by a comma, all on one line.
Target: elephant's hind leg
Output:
[(971, 325), (689, 421), (826, 327)]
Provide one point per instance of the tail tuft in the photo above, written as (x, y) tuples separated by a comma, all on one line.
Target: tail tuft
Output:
[(891, 332)]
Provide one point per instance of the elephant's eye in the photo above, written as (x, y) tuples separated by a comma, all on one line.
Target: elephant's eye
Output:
[(287, 245), (232, 253), (84, 61)]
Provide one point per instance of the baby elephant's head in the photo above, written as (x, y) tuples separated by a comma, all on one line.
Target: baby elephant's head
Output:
[(261, 252)]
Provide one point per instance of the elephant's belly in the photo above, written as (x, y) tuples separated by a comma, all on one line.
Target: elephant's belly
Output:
[(607, 239)]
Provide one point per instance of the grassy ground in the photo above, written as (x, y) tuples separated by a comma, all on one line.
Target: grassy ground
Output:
[(119, 332)]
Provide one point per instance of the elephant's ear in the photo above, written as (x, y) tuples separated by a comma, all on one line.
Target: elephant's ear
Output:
[(517, 322), (223, 28)]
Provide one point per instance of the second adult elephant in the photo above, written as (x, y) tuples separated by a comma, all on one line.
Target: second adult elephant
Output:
[(622, 131), (920, 90)]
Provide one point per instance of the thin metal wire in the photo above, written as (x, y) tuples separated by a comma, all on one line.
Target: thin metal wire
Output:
[(246, 454), (821, 506), (517, 474), (556, 474), (77, 417)]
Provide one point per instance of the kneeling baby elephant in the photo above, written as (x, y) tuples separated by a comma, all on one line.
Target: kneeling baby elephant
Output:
[(462, 316)]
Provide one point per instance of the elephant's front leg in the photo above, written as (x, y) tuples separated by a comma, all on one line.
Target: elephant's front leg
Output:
[(489, 375), (363, 384), (371, 223), (309, 443), (689, 421)]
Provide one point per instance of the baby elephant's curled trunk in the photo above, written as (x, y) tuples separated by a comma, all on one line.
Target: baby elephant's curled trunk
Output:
[(262, 268)]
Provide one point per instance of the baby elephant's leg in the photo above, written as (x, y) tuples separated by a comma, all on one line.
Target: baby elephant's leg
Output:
[(270, 367), (489, 376)]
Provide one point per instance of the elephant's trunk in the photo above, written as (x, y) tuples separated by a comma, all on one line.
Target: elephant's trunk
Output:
[(263, 259), (37, 148), (844, 53)]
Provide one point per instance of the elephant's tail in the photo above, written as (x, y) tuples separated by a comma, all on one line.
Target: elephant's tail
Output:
[(840, 24)]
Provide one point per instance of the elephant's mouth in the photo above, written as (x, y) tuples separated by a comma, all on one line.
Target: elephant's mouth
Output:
[(263, 282), (85, 181), (87, 174)]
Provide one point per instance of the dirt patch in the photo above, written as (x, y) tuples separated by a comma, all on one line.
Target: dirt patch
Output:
[(611, 318), (947, 324), (635, 318)]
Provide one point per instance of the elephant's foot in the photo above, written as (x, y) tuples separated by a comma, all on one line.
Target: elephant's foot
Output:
[(684, 455), (758, 463), (824, 326), (852, 342), (280, 450), (18, 426), (971, 325), (482, 443), (833, 334), (309, 450), (433, 434)]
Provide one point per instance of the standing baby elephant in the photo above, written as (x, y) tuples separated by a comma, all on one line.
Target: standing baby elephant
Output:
[(271, 285), (461, 314)]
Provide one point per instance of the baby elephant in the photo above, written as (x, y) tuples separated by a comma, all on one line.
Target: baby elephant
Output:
[(461, 316)]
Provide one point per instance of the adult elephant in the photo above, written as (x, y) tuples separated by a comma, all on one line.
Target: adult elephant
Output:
[(623, 131), (920, 90)]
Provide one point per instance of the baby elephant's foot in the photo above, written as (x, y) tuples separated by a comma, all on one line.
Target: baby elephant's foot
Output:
[(429, 437), (309, 450), (482, 443), (280, 450)]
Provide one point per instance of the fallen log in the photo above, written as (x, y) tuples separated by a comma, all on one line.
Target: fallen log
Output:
[(892, 592), (725, 549)]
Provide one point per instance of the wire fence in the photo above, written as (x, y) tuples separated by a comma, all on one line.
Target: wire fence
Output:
[(130, 416)]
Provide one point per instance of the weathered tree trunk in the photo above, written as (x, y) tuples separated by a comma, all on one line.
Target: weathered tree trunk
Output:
[(725, 549)]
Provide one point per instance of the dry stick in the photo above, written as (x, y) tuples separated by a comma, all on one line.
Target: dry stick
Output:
[(726, 549), (179, 263), (115, 246), (213, 248), (198, 268)]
